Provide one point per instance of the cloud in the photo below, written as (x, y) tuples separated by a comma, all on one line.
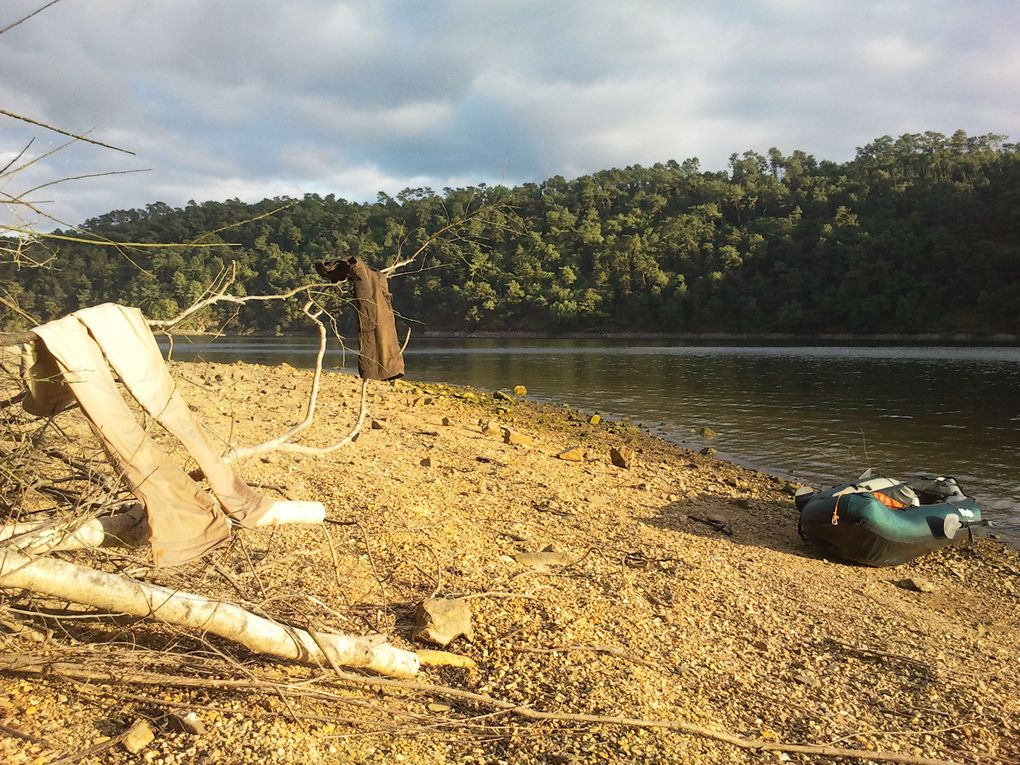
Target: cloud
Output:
[(254, 99)]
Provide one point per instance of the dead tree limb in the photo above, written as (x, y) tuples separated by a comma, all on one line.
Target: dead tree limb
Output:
[(283, 442), (57, 578)]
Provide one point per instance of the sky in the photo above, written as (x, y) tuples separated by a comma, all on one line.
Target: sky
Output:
[(249, 99)]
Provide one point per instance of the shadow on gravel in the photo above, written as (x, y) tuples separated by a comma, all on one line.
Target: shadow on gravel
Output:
[(744, 522)]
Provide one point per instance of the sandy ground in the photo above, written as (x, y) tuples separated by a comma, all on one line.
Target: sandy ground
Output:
[(682, 592)]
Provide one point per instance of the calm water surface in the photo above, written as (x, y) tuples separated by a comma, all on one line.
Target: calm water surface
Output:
[(816, 414)]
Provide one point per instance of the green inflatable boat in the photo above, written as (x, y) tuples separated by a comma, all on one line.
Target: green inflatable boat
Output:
[(883, 522)]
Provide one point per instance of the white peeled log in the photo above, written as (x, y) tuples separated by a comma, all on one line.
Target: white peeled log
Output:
[(111, 592), (293, 511), (126, 529)]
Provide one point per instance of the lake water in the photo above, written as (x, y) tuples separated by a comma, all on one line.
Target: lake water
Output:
[(816, 414)]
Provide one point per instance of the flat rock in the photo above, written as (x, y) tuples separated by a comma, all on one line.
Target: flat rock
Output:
[(916, 584), (441, 621), (573, 454), (516, 438), (541, 561), (138, 736)]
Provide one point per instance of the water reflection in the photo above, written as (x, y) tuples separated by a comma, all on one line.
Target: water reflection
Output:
[(818, 414)]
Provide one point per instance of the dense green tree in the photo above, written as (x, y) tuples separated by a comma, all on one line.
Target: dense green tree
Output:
[(919, 233)]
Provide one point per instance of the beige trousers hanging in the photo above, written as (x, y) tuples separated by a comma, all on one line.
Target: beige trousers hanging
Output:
[(75, 356)]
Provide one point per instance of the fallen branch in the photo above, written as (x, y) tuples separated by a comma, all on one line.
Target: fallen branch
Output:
[(283, 442), (34, 665), (100, 589), (127, 529)]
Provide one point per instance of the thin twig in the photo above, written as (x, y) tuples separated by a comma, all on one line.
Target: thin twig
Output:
[(26, 18), (31, 121), (22, 664)]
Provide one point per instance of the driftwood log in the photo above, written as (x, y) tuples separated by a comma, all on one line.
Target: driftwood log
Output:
[(88, 586)]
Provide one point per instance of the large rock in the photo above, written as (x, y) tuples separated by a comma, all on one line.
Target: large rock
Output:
[(441, 621), (516, 438), (622, 456), (573, 454)]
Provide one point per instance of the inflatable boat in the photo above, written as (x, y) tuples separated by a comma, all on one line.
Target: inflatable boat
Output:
[(883, 522)]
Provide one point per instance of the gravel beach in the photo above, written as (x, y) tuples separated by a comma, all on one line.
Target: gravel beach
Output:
[(646, 596)]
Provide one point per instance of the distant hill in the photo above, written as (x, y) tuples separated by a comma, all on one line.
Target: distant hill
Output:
[(915, 234)]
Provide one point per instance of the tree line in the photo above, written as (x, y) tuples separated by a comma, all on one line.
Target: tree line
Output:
[(915, 234)]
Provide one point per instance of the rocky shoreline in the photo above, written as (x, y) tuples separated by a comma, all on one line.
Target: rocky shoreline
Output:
[(606, 573)]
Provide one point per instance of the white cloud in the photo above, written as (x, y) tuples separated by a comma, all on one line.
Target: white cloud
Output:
[(256, 99)]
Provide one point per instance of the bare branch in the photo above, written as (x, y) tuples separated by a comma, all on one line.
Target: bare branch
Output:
[(18, 156), (282, 443), (243, 222), (108, 242), (26, 18), (77, 137), (222, 297), (80, 177)]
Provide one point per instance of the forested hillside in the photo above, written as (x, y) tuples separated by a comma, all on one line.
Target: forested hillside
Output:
[(915, 234)]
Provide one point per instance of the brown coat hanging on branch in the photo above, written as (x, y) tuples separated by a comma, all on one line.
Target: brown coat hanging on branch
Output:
[(379, 356)]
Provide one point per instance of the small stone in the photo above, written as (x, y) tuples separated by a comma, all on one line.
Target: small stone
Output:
[(189, 723), (573, 454), (516, 438), (426, 462), (707, 432), (192, 724), (520, 390), (917, 585), (622, 456), (594, 419), (439, 707), (501, 396), (447, 421), (490, 427), (441, 621), (377, 425), (708, 451), (138, 737)]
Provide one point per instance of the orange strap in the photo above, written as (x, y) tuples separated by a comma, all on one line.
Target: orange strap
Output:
[(888, 501), (835, 513)]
